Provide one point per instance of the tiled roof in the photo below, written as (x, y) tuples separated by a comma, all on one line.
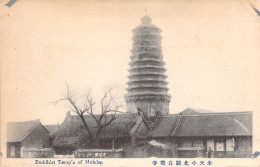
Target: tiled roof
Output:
[(18, 131), (137, 125), (173, 125), (120, 127), (194, 111), (205, 124), (51, 128), (65, 141)]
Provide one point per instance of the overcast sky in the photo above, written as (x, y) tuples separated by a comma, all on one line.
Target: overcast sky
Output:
[(211, 50)]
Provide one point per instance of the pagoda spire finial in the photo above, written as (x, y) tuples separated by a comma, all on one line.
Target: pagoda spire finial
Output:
[(146, 20)]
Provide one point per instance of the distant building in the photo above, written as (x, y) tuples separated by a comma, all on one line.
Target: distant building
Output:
[(22, 136)]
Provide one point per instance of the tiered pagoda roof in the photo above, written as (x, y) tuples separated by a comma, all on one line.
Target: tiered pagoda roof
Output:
[(147, 77)]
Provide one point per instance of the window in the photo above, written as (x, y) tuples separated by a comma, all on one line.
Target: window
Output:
[(210, 144), (186, 143), (220, 146), (230, 144), (191, 143), (12, 150), (197, 143)]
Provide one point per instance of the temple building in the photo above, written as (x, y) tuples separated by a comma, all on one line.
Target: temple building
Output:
[(147, 86), (29, 139), (147, 129)]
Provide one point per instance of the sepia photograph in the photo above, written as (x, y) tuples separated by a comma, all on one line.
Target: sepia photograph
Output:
[(149, 83)]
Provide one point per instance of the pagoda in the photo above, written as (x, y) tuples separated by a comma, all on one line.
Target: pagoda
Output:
[(147, 86)]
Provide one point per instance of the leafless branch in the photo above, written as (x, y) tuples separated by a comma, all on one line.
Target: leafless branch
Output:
[(109, 109)]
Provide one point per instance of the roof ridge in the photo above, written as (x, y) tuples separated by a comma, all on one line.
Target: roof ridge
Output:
[(36, 120), (198, 109), (38, 123), (51, 125), (206, 114), (120, 114), (236, 124)]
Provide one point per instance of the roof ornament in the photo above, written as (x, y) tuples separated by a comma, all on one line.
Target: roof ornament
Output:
[(146, 20), (68, 115)]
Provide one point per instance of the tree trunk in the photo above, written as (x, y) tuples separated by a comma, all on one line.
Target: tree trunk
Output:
[(96, 142)]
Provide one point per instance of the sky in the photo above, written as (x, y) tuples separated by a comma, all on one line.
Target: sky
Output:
[(211, 50)]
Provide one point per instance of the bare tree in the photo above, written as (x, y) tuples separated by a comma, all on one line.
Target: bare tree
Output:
[(109, 109)]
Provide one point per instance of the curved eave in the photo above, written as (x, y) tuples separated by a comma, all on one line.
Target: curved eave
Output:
[(146, 76), (147, 73), (156, 84), (146, 52), (148, 28), (146, 42), (153, 56), (144, 60), (148, 67), (143, 37), (147, 87), (155, 45), (147, 80), (146, 49), (147, 94), (141, 65)]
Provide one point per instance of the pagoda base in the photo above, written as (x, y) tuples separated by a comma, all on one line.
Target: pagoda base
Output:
[(149, 107)]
